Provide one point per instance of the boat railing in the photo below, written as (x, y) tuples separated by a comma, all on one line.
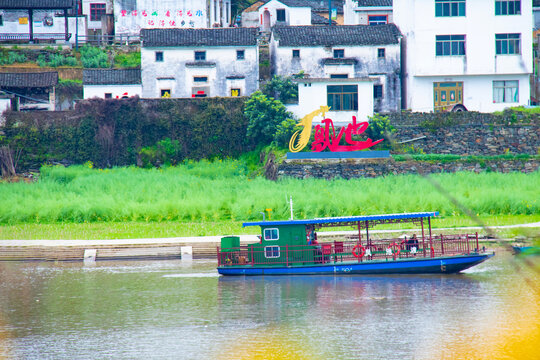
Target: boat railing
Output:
[(347, 251)]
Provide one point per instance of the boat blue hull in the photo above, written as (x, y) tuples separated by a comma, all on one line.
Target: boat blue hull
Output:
[(441, 265)]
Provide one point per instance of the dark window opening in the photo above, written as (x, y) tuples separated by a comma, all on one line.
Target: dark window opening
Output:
[(449, 8), (296, 54), (377, 91), (200, 55), (377, 19), (108, 96), (280, 15), (240, 54), (381, 53), (339, 76), (339, 53), (165, 93), (507, 44), (159, 56), (200, 78), (507, 7)]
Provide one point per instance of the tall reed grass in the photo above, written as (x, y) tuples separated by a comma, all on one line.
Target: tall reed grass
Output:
[(222, 191)]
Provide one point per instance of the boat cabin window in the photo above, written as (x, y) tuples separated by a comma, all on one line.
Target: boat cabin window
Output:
[(271, 234), (271, 251)]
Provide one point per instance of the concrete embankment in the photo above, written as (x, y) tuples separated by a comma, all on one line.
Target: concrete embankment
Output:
[(203, 247)]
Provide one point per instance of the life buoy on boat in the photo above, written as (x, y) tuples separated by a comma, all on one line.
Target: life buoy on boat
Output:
[(362, 251)]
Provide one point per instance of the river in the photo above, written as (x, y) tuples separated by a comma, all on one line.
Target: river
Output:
[(184, 310)]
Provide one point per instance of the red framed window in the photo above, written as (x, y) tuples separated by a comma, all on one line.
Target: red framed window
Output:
[(377, 19), (96, 11)]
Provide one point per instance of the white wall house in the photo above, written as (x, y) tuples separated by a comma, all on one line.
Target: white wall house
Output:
[(183, 63), (274, 12), (367, 12), (353, 97), (133, 15), (475, 54), (343, 52), (111, 83), (43, 20), (94, 11)]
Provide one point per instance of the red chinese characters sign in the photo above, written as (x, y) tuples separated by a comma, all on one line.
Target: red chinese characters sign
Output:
[(325, 136)]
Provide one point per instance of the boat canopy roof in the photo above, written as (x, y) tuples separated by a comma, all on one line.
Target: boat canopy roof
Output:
[(346, 220)]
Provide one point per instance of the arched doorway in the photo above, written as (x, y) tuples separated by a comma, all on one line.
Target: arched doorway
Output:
[(266, 21)]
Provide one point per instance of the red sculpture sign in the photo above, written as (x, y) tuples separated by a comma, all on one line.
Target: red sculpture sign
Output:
[(326, 137)]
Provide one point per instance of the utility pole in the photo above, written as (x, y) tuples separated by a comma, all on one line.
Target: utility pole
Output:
[(329, 12)]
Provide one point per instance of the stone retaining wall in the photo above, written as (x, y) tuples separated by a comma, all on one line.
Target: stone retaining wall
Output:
[(375, 168)]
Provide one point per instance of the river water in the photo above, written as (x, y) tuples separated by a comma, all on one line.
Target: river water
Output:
[(184, 310)]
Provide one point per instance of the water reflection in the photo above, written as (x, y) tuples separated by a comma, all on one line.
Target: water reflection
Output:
[(165, 309)]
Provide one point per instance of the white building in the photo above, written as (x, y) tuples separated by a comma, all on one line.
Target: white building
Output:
[(111, 83), (367, 12), (474, 54), (183, 63), (343, 52), (274, 12), (96, 12), (345, 97), (133, 15), (39, 21)]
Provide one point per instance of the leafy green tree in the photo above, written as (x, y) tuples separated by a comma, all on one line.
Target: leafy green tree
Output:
[(265, 115), (282, 88), (380, 128)]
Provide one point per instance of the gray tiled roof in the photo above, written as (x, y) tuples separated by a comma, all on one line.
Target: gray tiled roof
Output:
[(322, 5), (337, 35), (295, 3), (111, 76), (36, 4), (40, 79), (317, 19), (199, 37), (363, 3)]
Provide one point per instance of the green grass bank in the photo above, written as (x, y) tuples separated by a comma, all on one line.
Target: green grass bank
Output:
[(203, 198)]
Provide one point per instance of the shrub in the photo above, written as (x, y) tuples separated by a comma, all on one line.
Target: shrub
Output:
[(282, 88), (93, 57), (264, 115), (165, 152), (128, 60), (380, 128)]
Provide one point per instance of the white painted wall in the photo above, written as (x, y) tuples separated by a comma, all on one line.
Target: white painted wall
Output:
[(293, 15), (177, 74), (313, 95), (384, 71), (11, 23), (117, 91), (480, 65), (86, 11), (131, 17), (358, 15)]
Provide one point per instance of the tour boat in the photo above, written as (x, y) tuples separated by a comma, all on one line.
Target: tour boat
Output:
[(290, 247)]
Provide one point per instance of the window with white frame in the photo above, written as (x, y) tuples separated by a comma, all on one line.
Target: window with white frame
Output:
[(506, 91), (271, 234), (271, 251), (507, 44), (449, 8), (508, 7), (447, 45)]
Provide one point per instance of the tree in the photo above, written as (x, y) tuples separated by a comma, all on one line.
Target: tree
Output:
[(380, 128), (282, 88), (265, 115)]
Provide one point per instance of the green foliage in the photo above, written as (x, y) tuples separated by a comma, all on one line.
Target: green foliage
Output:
[(113, 132), (284, 132), (264, 115), (127, 60), (94, 57), (12, 57), (380, 128), (56, 60), (282, 88), (214, 191), (165, 152)]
